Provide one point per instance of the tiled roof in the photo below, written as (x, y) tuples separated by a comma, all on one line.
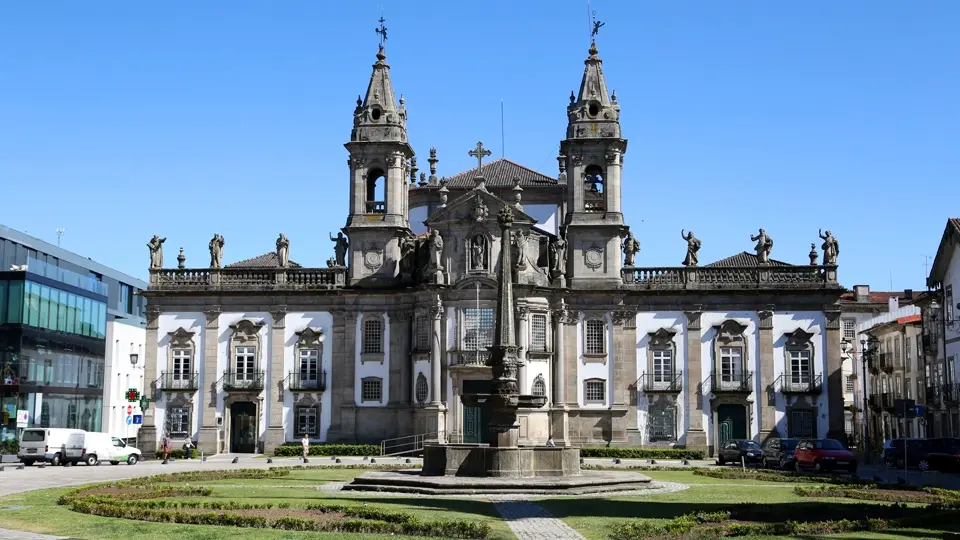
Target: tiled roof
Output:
[(956, 223), (744, 259), (500, 173), (879, 297), (268, 260)]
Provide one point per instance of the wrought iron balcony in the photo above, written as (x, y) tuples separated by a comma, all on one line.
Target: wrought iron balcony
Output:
[(376, 207), (934, 396), (248, 279), (885, 361), (298, 380), (730, 277), (731, 383), (670, 383), (471, 358), (886, 400), (250, 380), (178, 381), (797, 383), (951, 393), (875, 401)]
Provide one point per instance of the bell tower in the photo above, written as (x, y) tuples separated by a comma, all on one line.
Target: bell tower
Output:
[(379, 155), (593, 153)]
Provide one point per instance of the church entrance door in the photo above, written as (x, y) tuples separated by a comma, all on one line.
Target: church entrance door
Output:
[(473, 425), (733, 422), (243, 427)]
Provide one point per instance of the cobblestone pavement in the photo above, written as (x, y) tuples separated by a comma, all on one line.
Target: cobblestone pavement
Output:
[(530, 521)]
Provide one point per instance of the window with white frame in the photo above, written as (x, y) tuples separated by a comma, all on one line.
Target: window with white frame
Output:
[(477, 329), (662, 423), (595, 337), (662, 365), (245, 364), (422, 390), (422, 332), (908, 388), (308, 421), (309, 367), (731, 364), (371, 389), (182, 373), (539, 387), (595, 391), (178, 421), (850, 329), (538, 332), (801, 366), (373, 335), (908, 353)]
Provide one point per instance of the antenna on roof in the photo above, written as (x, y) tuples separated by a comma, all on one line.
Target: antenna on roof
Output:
[(502, 143), (926, 266), (60, 232)]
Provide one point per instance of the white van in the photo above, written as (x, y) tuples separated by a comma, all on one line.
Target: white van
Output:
[(97, 447), (49, 445)]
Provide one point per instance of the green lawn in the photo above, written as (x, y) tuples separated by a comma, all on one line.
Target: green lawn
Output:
[(591, 516)]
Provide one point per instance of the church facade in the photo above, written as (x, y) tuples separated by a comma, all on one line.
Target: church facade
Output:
[(382, 342)]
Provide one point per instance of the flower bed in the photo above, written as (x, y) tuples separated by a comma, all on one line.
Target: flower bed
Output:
[(295, 450), (777, 476), (640, 453), (881, 493)]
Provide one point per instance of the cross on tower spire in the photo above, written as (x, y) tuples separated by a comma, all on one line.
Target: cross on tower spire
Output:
[(479, 152), (382, 31)]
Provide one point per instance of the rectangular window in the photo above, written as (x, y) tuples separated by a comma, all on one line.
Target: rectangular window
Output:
[(801, 424), (662, 366), (179, 422), (851, 385), (909, 388), (595, 342), (309, 367), (477, 329), (897, 359), (663, 424), (948, 294), (308, 421), (731, 364), (538, 332), (373, 335), (594, 391), (371, 389), (919, 390), (246, 363), (182, 366), (423, 331), (898, 389), (801, 367), (908, 353), (850, 330)]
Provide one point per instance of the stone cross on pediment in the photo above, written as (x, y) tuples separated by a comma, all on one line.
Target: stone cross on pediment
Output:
[(479, 152)]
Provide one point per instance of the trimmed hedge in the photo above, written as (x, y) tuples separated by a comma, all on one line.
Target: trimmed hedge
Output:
[(291, 450), (773, 476), (640, 453)]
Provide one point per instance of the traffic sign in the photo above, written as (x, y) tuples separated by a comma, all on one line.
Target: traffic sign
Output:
[(920, 411), (129, 410), (137, 419), (906, 408), (129, 420), (23, 418)]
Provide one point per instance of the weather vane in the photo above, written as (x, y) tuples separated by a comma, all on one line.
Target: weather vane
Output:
[(596, 25), (382, 31)]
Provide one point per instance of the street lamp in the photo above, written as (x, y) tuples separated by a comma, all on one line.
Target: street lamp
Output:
[(868, 347), (134, 358)]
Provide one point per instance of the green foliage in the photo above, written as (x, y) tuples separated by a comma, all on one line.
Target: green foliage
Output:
[(779, 476), (179, 453), (640, 453), (890, 493), (9, 447), (291, 450)]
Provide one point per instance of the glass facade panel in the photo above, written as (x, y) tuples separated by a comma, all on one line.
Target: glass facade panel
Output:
[(41, 306), (3, 301)]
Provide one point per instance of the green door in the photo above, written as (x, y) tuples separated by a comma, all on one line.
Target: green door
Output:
[(733, 422), (473, 425)]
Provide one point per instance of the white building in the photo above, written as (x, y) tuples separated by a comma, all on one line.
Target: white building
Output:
[(123, 371), (943, 334)]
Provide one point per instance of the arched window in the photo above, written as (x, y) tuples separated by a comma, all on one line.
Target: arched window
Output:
[(421, 389), (593, 188), (376, 182), (539, 386)]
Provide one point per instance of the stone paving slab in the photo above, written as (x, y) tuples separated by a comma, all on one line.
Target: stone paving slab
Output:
[(19, 535), (530, 521)]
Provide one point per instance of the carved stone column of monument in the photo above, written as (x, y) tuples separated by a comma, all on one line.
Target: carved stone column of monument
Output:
[(274, 393), (559, 412), (834, 376), (696, 436), (767, 400), (341, 381), (209, 439), (436, 355), (148, 431), (523, 318)]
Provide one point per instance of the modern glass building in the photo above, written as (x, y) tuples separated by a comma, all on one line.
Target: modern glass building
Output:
[(54, 310)]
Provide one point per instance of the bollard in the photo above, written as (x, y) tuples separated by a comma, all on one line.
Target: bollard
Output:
[(652, 461), (366, 458), (20, 467), (164, 462), (337, 460), (373, 460), (236, 460), (333, 458), (685, 461), (408, 461), (616, 460), (269, 460)]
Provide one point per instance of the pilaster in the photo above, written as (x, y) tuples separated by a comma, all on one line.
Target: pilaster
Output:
[(148, 431), (836, 429), (696, 436), (209, 439), (274, 392), (436, 355), (341, 381), (523, 316), (625, 365), (767, 402)]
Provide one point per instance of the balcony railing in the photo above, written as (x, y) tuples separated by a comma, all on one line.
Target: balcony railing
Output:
[(376, 207), (934, 396), (951, 393), (670, 383), (178, 381), (885, 360), (886, 400), (731, 382), (471, 358), (799, 383), (874, 401), (298, 380), (730, 277), (250, 380), (248, 279)]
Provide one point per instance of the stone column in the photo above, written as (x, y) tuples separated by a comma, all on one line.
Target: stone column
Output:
[(396, 185), (341, 379), (275, 389), (625, 370), (522, 342), (559, 417), (612, 181), (436, 356), (209, 439), (766, 402), (834, 377), (696, 436), (148, 431)]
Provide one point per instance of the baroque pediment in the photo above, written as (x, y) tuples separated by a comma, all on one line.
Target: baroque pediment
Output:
[(181, 337), (662, 337), (310, 337), (730, 331), (798, 338), (476, 206), (246, 328)]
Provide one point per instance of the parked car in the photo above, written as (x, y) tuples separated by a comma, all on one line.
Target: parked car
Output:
[(779, 452), (48, 445), (940, 454), (97, 447), (824, 455), (735, 449)]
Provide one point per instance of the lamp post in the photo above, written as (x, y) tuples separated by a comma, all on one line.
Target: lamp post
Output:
[(134, 358), (867, 349), (845, 349)]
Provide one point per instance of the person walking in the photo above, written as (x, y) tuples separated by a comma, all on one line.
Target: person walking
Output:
[(166, 446), (305, 443)]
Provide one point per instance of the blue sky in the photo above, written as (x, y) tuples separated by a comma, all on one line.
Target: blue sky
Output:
[(122, 119)]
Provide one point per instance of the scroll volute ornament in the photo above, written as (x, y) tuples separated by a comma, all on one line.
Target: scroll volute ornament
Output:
[(662, 338), (798, 339), (730, 331), (622, 316)]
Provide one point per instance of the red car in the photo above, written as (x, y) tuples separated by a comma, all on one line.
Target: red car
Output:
[(823, 455)]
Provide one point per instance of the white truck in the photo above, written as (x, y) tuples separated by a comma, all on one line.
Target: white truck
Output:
[(96, 447), (49, 445)]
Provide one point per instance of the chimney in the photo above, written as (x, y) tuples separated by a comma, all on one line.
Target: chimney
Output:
[(861, 293), (893, 303), (908, 294)]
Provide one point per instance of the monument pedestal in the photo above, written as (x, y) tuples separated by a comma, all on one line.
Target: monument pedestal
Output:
[(484, 461), (560, 426), (148, 442), (208, 441)]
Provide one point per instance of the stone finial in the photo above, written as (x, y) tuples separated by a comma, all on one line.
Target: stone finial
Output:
[(613, 97), (181, 260), (444, 192), (432, 160), (359, 101), (413, 167), (423, 179), (813, 254), (402, 102), (573, 98), (517, 193)]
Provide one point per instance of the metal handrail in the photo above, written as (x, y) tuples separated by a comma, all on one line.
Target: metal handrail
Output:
[(411, 444)]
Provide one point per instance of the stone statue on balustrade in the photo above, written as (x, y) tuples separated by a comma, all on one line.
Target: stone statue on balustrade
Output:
[(340, 248), (764, 246), (558, 256), (283, 251), (408, 255), (831, 248), (435, 245), (216, 251), (156, 252), (631, 246), (693, 246)]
